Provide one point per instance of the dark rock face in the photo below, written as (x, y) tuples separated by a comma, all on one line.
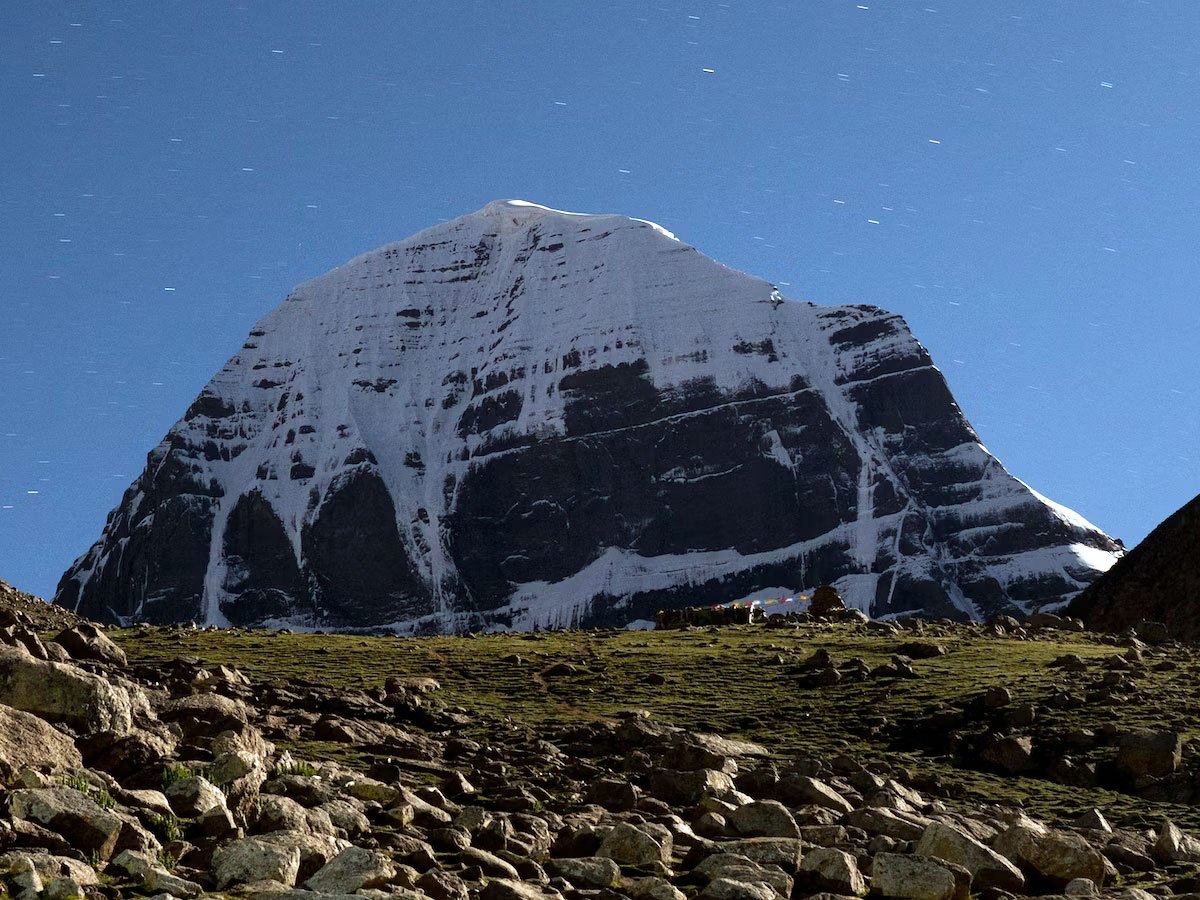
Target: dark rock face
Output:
[(525, 418), (1158, 580)]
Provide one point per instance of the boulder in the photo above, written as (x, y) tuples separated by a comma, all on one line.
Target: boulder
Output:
[(587, 871), (875, 820), (987, 867), (27, 741), (194, 796), (764, 818), (513, 889), (688, 786), (71, 813), (733, 867), (828, 869), (653, 888), (1174, 845), (630, 846), (316, 850), (1093, 820), (1145, 753), (800, 790), (252, 859), (352, 870), (918, 878), (731, 889), (1011, 753), (64, 693), (159, 881), (1056, 856), (86, 641), (782, 852)]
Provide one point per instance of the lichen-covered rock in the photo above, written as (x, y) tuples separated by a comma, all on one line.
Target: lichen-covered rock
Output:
[(352, 870), (918, 878), (988, 868), (1058, 856), (764, 818), (72, 814), (29, 741), (631, 846), (587, 871), (85, 640), (829, 869), (252, 859), (194, 796), (64, 693)]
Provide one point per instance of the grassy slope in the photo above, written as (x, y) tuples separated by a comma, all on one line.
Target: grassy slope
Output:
[(731, 682)]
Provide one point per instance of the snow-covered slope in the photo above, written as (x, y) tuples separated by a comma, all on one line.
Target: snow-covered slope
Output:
[(530, 417)]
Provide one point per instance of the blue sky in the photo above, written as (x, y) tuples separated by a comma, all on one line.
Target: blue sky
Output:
[(1018, 179)]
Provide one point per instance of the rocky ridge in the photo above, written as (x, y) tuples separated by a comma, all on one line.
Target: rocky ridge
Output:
[(1158, 580), (35, 611), (125, 779), (529, 418)]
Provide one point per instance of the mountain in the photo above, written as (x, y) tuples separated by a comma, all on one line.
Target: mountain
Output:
[(525, 417), (1159, 580)]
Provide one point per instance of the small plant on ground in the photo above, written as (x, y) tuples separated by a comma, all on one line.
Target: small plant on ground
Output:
[(103, 798), (78, 783), (290, 766), (173, 773), (167, 860), (165, 828), (99, 795)]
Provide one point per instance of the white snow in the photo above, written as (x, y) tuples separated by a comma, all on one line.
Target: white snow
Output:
[(384, 353)]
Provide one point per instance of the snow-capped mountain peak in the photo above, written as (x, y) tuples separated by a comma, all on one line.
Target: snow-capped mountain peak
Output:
[(528, 416)]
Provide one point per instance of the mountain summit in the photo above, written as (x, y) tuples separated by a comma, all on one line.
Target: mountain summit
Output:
[(526, 417)]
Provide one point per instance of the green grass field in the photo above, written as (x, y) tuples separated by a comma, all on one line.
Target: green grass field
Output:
[(739, 681)]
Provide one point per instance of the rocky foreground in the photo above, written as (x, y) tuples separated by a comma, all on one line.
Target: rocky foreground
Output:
[(172, 779)]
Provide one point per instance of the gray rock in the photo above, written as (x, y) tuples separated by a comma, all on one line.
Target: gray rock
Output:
[(512, 889), (1081, 887), (688, 786), (764, 818), (493, 866), (1174, 845), (782, 852), (274, 813), (63, 693), (918, 878), (732, 867), (156, 881), (252, 859), (72, 814), (316, 850), (729, 889), (801, 789), (630, 846), (987, 867), (1144, 753), (587, 871), (895, 825), (194, 796), (28, 741), (1058, 856), (442, 885), (352, 870), (1094, 820), (827, 869), (653, 888), (85, 641)]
